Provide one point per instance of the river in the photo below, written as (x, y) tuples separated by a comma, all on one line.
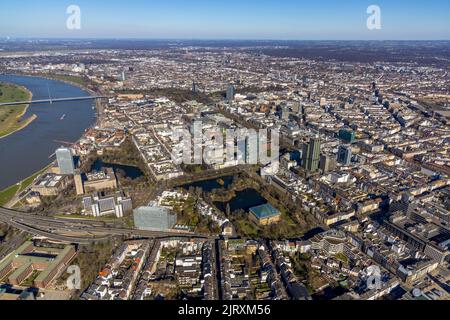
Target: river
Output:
[(27, 151)]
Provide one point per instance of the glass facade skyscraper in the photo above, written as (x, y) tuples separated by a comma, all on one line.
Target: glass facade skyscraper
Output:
[(344, 155), (231, 91), (154, 219), (311, 155), (65, 161), (347, 136)]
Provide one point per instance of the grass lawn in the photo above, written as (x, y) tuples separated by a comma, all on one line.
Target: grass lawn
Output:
[(342, 257), (7, 194), (246, 228), (68, 78), (28, 282), (28, 181), (10, 116)]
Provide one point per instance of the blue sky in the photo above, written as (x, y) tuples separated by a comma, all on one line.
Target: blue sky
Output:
[(231, 19)]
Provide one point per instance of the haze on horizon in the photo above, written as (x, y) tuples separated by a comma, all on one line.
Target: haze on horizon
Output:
[(231, 19)]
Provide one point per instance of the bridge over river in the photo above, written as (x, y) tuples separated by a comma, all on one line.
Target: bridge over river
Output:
[(52, 100)]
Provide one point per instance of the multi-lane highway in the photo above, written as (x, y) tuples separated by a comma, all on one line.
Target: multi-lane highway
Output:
[(79, 230)]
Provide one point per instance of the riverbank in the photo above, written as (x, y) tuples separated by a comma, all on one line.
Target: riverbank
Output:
[(8, 194), (10, 116), (30, 149), (76, 81)]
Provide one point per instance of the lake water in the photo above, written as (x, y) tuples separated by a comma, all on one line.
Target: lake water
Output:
[(31, 149), (129, 171), (210, 185), (244, 200)]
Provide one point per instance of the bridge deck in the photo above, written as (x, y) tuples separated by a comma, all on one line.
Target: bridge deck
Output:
[(51, 100)]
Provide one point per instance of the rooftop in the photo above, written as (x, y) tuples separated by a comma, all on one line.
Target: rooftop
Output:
[(264, 211)]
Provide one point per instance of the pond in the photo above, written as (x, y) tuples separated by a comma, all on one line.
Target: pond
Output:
[(128, 171), (210, 185), (244, 200)]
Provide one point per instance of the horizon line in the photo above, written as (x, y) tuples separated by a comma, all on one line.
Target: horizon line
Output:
[(9, 38)]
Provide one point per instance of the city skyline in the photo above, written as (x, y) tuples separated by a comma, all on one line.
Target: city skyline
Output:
[(263, 20), (214, 158)]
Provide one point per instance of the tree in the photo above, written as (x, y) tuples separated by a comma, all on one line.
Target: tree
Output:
[(198, 192)]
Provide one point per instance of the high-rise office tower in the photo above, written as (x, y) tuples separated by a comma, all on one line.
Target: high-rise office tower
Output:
[(327, 163), (65, 161), (305, 81), (348, 136), (344, 155), (248, 149), (311, 155), (231, 91), (285, 113)]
